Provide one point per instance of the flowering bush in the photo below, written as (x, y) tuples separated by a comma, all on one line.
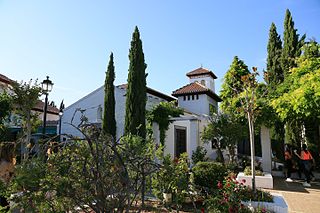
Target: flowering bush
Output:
[(229, 195)]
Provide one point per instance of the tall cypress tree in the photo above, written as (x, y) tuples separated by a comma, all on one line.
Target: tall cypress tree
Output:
[(109, 121), (274, 69), (291, 44), (291, 50), (136, 97)]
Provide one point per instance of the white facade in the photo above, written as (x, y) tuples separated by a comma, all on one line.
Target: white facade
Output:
[(91, 107), (204, 80), (194, 125), (184, 133), (198, 103)]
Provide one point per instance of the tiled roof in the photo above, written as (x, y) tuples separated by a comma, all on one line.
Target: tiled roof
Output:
[(151, 92), (195, 88), (5, 79), (201, 71), (40, 106)]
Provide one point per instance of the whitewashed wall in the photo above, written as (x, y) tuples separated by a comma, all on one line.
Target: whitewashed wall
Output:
[(194, 125), (91, 103), (200, 106), (209, 81)]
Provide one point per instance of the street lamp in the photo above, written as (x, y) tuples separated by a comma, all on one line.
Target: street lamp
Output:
[(46, 88), (60, 117), (60, 120)]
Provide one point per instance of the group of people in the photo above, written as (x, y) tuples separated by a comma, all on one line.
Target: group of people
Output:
[(305, 164)]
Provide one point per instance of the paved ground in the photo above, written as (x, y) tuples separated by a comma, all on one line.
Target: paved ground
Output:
[(299, 199)]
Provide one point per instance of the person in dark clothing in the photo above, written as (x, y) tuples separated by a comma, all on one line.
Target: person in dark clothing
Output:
[(306, 159), (288, 163)]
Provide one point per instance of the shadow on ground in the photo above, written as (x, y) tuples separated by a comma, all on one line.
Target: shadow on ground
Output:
[(279, 184)]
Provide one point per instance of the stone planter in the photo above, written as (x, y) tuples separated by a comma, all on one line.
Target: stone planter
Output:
[(279, 205), (167, 197), (264, 181)]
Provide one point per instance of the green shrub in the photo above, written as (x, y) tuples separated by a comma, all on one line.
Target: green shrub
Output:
[(261, 196), (247, 171), (172, 177), (207, 174), (232, 168), (199, 155)]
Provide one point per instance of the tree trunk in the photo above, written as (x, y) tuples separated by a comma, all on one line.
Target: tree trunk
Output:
[(143, 188), (220, 157), (27, 137), (251, 131)]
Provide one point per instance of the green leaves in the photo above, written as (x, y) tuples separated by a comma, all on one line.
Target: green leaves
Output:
[(5, 105), (300, 93), (109, 121), (136, 96), (161, 114)]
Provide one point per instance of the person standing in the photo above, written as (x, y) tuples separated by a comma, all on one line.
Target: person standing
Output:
[(306, 158), (288, 163)]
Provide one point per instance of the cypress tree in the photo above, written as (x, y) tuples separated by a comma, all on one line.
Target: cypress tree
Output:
[(291, 44), (274, 70), (109, 121), (291, 49), (136, 97)]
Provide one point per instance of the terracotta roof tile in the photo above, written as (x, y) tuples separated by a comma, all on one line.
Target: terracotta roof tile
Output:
[(5, 79), (201, 71), (195, 88), (40, 106), (151, 92)]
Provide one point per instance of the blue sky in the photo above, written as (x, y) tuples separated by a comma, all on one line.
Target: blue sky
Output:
[(71, 40)]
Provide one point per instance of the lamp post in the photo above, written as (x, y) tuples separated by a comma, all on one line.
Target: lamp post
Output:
[(60, 118), (46, 88)]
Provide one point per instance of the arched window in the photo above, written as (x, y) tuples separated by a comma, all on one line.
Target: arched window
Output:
[(99, 113), (203, 82)]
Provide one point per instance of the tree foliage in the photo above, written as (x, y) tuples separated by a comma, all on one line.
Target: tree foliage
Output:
[(136, 96), (274, 70), (161, 114), (300, 92), (224, 132), (231, 84), (246, 94), (109, 121), (5, 106), (25, 97), (97, 173), (291, 44)]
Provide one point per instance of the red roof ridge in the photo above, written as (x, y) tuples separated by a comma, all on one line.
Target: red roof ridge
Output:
[(182, 88), (195, 88), (5, 79), (40, 108), (151, 92), (201, 71)]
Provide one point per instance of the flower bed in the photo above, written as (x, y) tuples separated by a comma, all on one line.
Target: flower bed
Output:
[(278, 205)]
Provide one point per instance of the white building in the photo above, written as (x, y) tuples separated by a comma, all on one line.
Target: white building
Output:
[(197, 98), (89, 109)]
